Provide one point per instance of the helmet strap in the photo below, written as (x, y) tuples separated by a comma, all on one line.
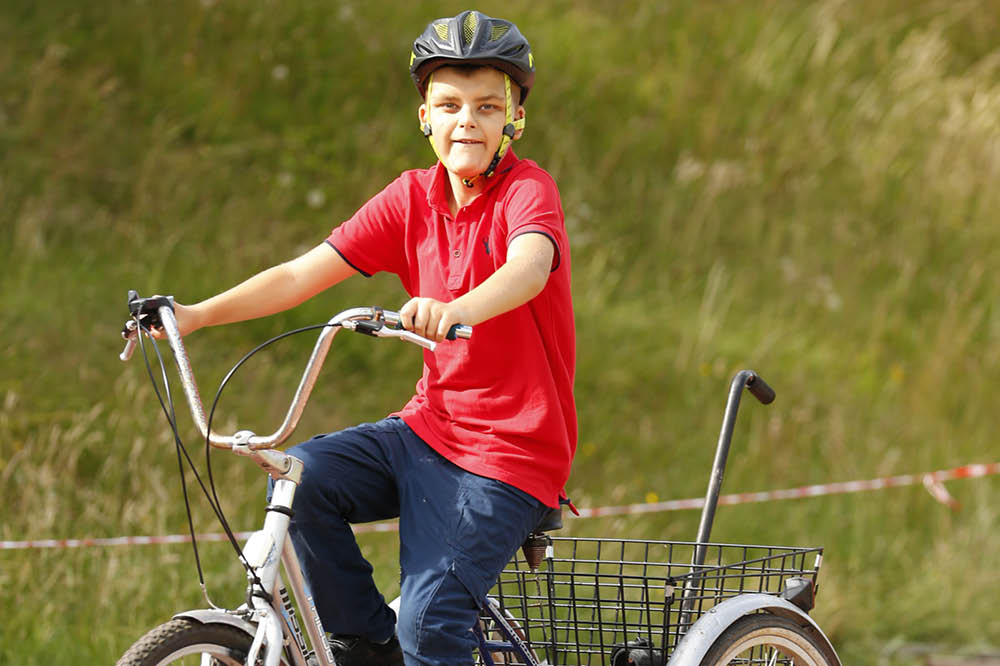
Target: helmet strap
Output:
[(510, 128), (425, 127)]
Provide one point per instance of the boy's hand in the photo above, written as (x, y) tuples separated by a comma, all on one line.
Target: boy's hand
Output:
[(521, 278), (431, 318), (187, 321)]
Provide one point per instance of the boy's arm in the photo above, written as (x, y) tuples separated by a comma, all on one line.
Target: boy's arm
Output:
[(521, 278), (273, 290)]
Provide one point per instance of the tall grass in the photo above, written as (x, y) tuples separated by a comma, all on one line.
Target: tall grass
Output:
[(807, 189)]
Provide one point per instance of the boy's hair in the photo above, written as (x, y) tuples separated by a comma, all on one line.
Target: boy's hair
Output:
[(472, 38), (464, 69)]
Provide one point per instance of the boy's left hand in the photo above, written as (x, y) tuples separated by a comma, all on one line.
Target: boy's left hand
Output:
[(431, 318)]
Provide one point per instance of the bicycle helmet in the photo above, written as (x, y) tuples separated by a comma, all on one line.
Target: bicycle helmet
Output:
[(473, 38)]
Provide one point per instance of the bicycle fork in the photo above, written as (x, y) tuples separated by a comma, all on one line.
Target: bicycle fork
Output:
[(265, 551)]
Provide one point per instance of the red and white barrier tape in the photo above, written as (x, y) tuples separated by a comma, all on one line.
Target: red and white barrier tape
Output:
[(931, 480)]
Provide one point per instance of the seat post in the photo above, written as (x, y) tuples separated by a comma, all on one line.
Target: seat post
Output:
[(538, 541)]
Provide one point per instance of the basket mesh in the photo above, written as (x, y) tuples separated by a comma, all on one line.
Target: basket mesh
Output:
[(592, 595)]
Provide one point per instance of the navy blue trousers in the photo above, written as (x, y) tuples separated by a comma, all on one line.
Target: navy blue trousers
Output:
[(457, 530)]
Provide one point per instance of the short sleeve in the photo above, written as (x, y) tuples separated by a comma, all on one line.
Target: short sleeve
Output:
[(372, 240), (532, 205)]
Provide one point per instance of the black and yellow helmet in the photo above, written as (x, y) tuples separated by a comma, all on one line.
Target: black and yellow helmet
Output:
[(473, 38)]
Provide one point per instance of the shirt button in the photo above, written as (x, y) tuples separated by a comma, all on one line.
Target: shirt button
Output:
[(457, 253)]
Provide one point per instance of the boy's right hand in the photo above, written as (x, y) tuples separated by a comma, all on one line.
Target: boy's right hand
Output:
[(187, 318)]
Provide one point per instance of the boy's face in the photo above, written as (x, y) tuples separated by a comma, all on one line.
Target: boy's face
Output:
[(465, 108)]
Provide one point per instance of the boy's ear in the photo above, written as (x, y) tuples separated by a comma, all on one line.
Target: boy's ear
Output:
[(423, 119), (518, 115)]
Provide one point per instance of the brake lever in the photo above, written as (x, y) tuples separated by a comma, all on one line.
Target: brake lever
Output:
[(410, 336), (145, 314), (131, 336), (378, 329), (148, 309)]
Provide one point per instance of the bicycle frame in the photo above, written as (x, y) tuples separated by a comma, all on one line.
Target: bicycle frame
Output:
[(513, 643), (272, 618)]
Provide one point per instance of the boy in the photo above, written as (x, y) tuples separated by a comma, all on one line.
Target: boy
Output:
[(481, 452)]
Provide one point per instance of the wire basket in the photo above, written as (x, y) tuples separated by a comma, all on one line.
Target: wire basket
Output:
[(591, 596)]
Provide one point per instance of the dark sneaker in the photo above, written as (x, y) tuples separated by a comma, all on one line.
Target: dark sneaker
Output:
[(358, 651)]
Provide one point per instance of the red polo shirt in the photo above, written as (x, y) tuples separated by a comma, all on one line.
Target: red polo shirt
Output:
[(500, 404)]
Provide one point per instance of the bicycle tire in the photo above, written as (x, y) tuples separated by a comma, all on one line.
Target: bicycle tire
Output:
[(183, 641), (764, 638)]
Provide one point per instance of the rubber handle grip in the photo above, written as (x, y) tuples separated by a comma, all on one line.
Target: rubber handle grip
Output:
[(760, 389), (459, 331), (456, 330)]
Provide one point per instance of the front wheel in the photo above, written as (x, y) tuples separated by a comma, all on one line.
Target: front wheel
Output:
[(184, 641), (769, 640)]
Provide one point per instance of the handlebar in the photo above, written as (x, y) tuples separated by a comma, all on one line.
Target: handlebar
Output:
[(374, 321)]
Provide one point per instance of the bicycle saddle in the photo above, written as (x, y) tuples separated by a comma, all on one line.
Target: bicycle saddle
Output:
[(551, 521), (538, 541)]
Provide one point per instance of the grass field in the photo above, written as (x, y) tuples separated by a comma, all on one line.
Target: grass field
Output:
[(804, 188)]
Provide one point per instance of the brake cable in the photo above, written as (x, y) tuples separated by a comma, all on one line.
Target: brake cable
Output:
[(182, 452)]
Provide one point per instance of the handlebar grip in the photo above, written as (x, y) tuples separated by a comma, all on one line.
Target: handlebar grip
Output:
[(127, 352), (760, 389), (459, 331), (456, 330)]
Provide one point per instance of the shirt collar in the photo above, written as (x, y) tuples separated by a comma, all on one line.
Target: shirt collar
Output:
[(437, 193)]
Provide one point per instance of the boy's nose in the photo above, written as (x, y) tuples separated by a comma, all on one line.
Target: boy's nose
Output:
[(465, 117)]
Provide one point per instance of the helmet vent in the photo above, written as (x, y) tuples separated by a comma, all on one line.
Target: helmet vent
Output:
[(498, 31), (442, 31), (469, 26)]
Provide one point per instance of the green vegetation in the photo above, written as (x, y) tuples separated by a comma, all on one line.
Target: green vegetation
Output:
[(804, 188)]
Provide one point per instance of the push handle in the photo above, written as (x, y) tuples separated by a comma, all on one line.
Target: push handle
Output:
[(760, 389)]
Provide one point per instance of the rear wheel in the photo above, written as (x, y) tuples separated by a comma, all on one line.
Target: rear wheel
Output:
[(769, 640), (184, 641)]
